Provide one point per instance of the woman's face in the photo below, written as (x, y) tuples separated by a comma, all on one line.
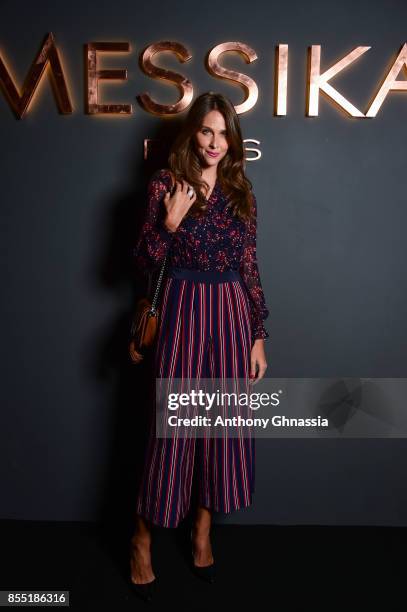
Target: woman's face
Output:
[(212, 138)]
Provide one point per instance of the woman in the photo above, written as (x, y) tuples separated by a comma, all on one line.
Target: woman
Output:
[(211, 323)]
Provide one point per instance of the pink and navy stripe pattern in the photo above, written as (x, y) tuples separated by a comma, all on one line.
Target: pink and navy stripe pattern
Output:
[(204, 332)]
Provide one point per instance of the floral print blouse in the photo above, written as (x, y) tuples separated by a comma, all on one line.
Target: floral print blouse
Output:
[(216, 241)]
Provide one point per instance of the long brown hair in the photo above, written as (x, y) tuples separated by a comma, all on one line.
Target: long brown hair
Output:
[(184, 161)]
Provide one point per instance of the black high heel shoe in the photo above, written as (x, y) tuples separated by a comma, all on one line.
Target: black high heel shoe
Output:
[(144, 590), (207, 572)]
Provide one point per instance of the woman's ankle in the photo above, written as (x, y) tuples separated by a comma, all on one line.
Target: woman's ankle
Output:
[(142, 533), (141, 539), (201, 531)]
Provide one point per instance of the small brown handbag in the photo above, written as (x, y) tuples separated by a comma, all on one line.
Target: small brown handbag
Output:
[(145, 322), (145, 319)]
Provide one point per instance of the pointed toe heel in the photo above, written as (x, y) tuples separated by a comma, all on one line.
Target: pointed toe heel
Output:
[(144, 590), (206, 572)]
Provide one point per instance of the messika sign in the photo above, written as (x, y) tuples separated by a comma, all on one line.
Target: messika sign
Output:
[(317, 81)]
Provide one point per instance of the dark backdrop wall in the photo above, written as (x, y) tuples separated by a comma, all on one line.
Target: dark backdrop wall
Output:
[(331, 247)]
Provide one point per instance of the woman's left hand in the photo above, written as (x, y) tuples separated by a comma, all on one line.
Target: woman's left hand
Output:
[(257, 358), (134, 355)]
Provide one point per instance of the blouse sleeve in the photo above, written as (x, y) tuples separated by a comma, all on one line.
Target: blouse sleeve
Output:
[(154, 239), (249, 271)]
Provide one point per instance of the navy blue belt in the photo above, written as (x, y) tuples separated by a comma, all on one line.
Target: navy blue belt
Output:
[(202, 276)]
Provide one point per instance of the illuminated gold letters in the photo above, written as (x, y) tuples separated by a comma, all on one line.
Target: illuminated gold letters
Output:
[(94, 75), (281, 80), (47, 55), (317, 82), (390, 82), (184, 85), (247, 83)]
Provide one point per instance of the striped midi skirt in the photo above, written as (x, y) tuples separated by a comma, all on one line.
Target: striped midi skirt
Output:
[(204, 331)]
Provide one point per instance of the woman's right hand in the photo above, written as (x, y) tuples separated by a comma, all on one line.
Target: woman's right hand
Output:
[(178, 204)]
